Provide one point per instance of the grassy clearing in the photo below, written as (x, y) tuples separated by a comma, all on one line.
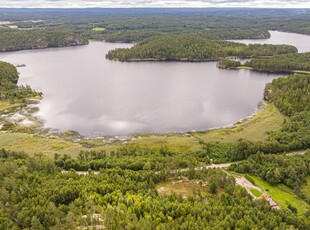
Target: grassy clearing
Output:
[(255, 192), (253, 129), (283, 195), (184, 187), (244, 67), (98, 29), (179, 144), (32, 145)]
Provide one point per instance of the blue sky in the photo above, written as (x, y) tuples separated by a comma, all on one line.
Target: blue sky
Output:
[(154, 3)]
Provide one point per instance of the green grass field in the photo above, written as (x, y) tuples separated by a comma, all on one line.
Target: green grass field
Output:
[(98, 29), (244, 67), (253, 129), (255, 192), (33, 145), (283, 195)]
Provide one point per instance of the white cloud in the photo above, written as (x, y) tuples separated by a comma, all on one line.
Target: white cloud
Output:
[(153, 3)]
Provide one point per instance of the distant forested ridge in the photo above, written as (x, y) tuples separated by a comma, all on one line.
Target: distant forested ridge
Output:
[(12, 40), (8, 84), (189, 47), (135, 25), (281, 63), (130, 36)]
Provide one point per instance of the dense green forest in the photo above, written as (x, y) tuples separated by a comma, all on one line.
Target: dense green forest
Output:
[(295, 133), (133, 158), (276, 169), (193, 48), (226, 63), (36, 195), (290, 95), (137, 24), (130, 36), (8, 84), (281, 63), (11, 40), (8, 76)]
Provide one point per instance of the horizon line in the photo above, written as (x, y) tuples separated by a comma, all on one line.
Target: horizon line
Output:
[(162, 7)]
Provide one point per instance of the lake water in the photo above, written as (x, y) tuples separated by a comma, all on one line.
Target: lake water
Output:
[(85, 92), (301, 42)]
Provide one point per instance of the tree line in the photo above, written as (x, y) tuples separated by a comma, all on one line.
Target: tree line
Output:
[(276, 169), (191, 47), (290, 95), (134, 158), (12, 40), (135, 35), (285, 63)]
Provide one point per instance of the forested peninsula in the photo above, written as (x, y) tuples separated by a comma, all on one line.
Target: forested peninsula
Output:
[(9, 90), (281, 63), (190, 47), (284, 63), (13, 40)]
